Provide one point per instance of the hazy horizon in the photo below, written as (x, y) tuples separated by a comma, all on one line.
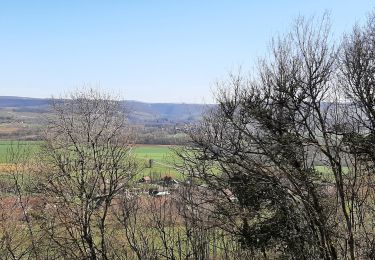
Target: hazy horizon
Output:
[(121, 99), (158, 52)]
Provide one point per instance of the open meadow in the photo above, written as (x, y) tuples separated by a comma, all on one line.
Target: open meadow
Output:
[(161, 157)]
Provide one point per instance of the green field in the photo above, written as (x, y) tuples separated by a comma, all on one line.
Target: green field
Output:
[(31, 146), (162, 157)]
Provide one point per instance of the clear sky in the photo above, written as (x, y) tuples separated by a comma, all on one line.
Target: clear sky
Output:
[(154, 51)]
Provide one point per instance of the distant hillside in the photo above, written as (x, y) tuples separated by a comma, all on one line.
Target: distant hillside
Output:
[(164, 111), (139, 112), (24, 103)]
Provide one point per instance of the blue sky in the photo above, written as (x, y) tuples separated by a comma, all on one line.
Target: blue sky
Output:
[(154, 51)]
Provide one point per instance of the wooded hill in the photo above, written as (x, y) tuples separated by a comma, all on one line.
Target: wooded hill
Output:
[(157, 123)]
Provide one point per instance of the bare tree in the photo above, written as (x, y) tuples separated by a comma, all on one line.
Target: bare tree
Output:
[(21, 238), (357, 80), (295, 146), (86, 163), (134, 217), (263, 142)]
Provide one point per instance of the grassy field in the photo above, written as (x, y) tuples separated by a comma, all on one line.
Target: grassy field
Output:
[(162, 161), (33, 146), (161, 156)]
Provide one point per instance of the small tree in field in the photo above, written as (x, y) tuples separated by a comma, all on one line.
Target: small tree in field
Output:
[(87, 163)]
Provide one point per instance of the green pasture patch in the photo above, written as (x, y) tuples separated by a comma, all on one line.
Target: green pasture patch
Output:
[(156, 152), (162, 158), (327, 173), (30, 146)]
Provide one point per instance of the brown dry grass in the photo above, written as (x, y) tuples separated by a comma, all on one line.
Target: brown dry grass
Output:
[(8, 129), (7, 167), (13, 168)]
